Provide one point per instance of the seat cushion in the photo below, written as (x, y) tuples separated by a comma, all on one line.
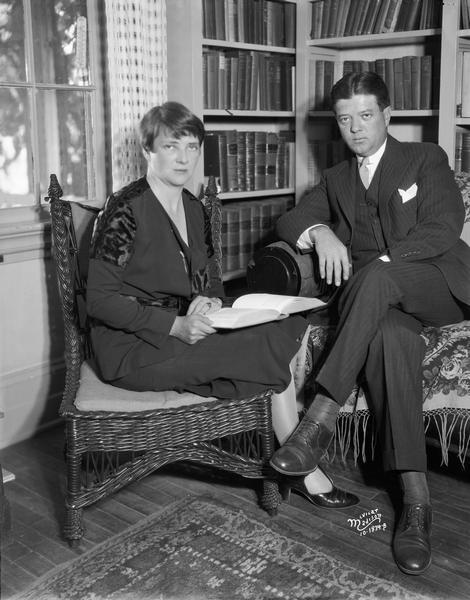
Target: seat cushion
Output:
[(94, 395)]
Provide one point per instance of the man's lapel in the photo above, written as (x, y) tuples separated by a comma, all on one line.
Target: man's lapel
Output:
[(393, 166), (346, 186)]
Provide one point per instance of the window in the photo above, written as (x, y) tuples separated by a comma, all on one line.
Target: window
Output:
[(50, 100)]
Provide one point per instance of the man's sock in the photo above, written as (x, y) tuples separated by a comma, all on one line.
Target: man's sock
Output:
[(415, 487), (324, 410)]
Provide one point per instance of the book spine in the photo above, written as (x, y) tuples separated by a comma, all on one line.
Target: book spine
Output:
[(231, 243), (325, 18), (465, 93), (398, 83), (426, 82), (415, 82), (458, 152), (241, 81), (389, 80), (233, 80), (329, 74), (255, 225), (232, 160), (392, 16), (260, 160), (241, 160), (280, 181), (342, 17), (380, 21), (244, 233), (465, 154), (271, 156), (407, 82), (250, 160), (333, 18), (211, 154), (266, 224), (317, 17), (362, 17), (289, 25), (371, 17), (222, 139)]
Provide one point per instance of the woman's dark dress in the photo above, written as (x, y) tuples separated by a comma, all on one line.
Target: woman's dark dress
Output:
[(141, 276)]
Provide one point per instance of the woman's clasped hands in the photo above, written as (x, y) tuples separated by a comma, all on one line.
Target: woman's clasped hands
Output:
[(195, 326)]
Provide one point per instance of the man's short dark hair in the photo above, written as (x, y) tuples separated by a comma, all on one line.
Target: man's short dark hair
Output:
[(173, 118), (366, 82)]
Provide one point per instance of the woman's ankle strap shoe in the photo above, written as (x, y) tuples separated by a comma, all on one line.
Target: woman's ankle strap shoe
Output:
[(335, 498)]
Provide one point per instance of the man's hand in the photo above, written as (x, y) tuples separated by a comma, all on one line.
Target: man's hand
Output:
[(191, 328), (332, 255)]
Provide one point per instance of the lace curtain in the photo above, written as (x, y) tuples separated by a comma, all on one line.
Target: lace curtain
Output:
[(137, 78)]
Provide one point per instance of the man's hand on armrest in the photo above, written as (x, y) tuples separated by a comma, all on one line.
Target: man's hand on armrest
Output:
[(305, 243)]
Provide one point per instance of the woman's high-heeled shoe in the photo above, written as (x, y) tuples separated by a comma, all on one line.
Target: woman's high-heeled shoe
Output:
[(335, 498)]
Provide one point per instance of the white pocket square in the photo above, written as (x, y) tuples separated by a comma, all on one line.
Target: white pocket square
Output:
[(409, 193)]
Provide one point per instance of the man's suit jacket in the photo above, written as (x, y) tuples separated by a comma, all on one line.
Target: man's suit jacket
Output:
[(418, 225)]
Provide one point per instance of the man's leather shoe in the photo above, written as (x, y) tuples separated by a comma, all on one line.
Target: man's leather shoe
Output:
[(302, 452), (412, 543)]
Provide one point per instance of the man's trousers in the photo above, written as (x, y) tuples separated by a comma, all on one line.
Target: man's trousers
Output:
[(382, 310)]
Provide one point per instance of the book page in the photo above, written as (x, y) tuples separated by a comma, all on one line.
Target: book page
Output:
[(234, 318), (279, 302)]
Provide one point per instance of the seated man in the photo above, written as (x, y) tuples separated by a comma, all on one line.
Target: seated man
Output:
[(385, 226)]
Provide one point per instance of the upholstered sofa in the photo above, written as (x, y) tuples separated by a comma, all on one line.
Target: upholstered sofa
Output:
[(446, 382)]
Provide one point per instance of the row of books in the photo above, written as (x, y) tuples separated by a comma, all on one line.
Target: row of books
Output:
[(462, 152), (465, 14), (244, 161), (248, 226), (339, 18), (265, 22), (409, 80), (244, 80)]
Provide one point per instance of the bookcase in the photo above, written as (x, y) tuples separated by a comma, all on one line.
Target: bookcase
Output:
[(408, 60), (454, 119), (233, 63), (420, 44)]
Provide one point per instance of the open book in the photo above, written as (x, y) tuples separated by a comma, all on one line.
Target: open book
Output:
[(254, 309)]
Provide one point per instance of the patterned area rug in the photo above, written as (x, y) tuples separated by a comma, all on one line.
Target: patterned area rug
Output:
[(199, 549)]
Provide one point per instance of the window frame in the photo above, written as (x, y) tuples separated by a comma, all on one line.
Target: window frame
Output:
[(24, 230)]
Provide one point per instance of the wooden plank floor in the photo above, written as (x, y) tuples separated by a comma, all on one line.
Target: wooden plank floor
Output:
[(35, 544)]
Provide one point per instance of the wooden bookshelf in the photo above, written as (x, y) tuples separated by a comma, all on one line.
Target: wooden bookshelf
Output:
[(410, 120), (258, 41), (454, 40), (437, 33)]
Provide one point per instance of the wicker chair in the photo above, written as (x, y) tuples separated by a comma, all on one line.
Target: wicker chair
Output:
[(115, 437)]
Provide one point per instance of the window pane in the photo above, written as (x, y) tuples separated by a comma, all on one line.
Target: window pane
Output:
[(60, 41), (62, 140), (12, 53), (16, 179)]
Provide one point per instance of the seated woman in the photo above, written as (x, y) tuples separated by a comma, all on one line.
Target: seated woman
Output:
[(150, 290)]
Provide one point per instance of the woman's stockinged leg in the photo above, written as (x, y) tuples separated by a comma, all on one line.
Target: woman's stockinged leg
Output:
[(285, 420)]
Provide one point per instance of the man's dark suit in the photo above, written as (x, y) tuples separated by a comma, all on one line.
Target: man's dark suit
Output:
[(384, 305)]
